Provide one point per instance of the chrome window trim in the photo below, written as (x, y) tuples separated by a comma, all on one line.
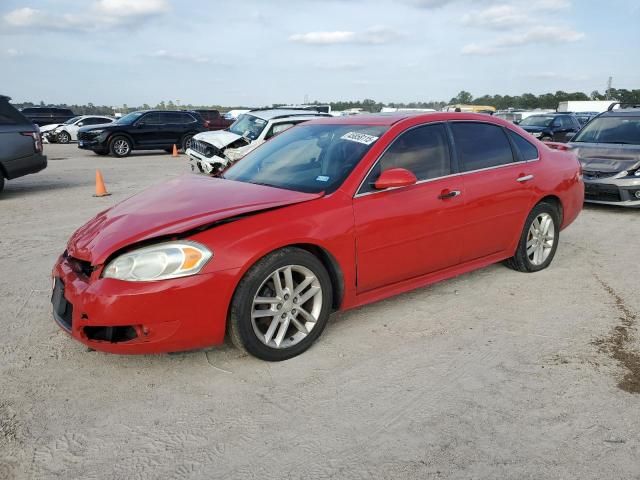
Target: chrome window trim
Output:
[(457, 174)]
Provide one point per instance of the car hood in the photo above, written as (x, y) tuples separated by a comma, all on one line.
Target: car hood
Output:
[(219, 138), (49, 128), (173, 208), (606, 157)]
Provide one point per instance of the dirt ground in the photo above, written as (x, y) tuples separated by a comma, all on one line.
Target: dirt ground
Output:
[(495, 374)]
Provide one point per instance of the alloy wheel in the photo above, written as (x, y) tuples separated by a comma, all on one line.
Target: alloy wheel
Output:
[(63, 137), (121, 147), (540, 239), (286, 307)]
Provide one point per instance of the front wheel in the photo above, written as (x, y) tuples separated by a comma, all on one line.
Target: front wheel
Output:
[(120, 146), (63, 137), (281, 305), (539, 240), (186, 142)]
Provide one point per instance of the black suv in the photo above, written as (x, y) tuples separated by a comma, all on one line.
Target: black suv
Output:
[(47, 115), (548, 127), (145, 130), (20, 144)]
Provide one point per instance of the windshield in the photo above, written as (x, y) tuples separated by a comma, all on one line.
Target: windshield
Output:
[(307, 158), (611, 130), (129, 118), (72, 120), (537, 121), (248, 126)]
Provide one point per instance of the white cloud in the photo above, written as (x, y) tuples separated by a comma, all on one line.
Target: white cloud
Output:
[(180, 57), (100, 15), (496, 17), (372, 36), (538, 35), (12, 52)]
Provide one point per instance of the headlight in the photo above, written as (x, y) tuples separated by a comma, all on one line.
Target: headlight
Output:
[(159, 262)]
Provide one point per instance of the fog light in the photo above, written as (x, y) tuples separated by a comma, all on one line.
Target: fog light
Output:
[(637, 194)]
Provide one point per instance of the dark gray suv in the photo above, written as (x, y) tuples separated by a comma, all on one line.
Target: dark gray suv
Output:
[(20, 144)]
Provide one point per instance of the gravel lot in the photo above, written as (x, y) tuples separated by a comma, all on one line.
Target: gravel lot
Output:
[(494, 374)]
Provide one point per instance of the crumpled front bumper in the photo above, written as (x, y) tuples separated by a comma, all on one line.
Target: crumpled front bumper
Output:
[(164, 316), (624, 191)]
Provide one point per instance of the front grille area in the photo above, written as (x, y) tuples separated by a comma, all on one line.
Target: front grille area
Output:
[(601, 193), (204, 148), (597, 174), (87, 135)]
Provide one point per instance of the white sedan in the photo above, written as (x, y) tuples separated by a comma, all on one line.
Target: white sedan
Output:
[(68, 131)]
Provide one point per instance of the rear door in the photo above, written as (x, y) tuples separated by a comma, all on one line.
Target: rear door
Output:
[(407, 232), (497, 185)]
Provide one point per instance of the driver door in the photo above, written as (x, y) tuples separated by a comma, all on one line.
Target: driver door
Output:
[(146, 130), (402, 233)]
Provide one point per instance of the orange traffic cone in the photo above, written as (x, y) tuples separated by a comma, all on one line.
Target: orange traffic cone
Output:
[(101, 190), (175, 151)]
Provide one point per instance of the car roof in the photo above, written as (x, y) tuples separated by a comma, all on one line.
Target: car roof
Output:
[(622, 112), (270, 113), (391, 118)]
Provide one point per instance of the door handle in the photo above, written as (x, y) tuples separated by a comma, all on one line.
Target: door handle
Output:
[(448, 194), (524, 178)]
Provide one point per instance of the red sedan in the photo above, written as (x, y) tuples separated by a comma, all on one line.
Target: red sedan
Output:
[(332, 214)]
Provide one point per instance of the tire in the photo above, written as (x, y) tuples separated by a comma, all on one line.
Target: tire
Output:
[(261, 334), (63, 137), (535, 240), (120, 146), (186, 142)]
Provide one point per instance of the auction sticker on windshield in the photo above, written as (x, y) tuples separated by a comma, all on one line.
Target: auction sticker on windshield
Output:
[(359, 137)]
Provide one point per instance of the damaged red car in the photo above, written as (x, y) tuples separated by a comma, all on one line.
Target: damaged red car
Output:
[(332, 214)]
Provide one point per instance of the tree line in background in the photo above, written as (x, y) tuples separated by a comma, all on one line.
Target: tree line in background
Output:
[(527, 101)]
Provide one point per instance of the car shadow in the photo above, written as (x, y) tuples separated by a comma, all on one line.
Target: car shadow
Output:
[(18, 189)]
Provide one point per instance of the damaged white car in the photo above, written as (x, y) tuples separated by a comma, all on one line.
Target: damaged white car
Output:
[(213, 152)]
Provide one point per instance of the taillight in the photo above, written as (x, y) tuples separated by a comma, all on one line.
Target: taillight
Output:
[(37, 140)]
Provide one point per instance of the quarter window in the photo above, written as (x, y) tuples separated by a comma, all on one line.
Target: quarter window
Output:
[(424, 151), (151, 119), (524, 147), (481, 145)]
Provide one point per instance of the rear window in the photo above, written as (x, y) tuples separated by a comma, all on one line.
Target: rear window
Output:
[(525, 148), (481, 145)]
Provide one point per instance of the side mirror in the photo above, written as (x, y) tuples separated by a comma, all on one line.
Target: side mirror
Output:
[(394, 178), (80, 124)]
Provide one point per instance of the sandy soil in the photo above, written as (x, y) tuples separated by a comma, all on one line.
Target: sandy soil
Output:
[(495, 374)]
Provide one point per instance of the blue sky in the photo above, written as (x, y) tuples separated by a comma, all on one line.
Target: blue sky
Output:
[(254, 52)]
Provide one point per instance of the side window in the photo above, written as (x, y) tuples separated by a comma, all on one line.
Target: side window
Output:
[(278, 128), (172, 118), (526, 149), (422, 150), (150, 119), (186, 118), (481, 145)]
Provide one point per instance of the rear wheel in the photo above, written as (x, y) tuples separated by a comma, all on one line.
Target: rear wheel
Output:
[(281, 305), (539, 240), (63, 137), (120, 146)]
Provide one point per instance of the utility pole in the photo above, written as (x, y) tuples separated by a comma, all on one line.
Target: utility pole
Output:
[(607, 95)]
